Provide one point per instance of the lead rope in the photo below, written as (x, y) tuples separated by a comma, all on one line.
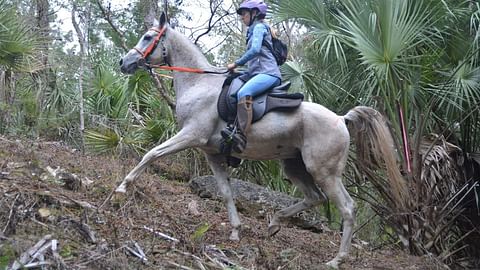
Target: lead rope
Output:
[(187, 69)]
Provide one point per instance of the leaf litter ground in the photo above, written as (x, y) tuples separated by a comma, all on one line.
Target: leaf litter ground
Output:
[(50, 190)]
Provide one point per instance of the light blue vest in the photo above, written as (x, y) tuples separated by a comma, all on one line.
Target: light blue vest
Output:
[(264, 62)]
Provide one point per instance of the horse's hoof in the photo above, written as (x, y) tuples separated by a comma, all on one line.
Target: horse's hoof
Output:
[(333, 264), (273, 229), (122, 188), (234, 235)]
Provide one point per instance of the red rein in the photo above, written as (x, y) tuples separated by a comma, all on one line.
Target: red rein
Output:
[(152, 46)]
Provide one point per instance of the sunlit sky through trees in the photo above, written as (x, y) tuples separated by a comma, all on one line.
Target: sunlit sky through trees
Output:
[(196, 16)]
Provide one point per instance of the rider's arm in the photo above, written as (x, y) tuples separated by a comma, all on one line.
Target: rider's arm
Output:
[(257, 38)]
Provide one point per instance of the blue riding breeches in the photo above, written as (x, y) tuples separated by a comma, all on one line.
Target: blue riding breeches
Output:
[(257, 85)]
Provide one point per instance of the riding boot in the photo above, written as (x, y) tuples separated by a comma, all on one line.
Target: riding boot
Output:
[(244, 122)]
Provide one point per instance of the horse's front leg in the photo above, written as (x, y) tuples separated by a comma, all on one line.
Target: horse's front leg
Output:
[(182, 140), (219, 167)]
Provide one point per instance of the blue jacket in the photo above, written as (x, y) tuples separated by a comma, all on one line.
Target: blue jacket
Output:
[(259, 59)]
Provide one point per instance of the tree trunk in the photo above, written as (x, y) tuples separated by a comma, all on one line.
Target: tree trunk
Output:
[(151, 12), (82, 39), (3, 101), (7, 97), (46, 77), (42, 23), (3, 88)]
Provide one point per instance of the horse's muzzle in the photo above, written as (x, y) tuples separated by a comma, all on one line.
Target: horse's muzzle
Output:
[(128, 67)]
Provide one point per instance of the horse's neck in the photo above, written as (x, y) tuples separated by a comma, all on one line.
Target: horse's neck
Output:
[(186, 54)]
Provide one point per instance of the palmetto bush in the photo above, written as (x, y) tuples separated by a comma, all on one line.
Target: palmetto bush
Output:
[(18, 58), (125, 115), (416, 62), (18, 43)]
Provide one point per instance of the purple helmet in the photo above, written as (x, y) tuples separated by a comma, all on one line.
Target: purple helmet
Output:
[(251, 4)]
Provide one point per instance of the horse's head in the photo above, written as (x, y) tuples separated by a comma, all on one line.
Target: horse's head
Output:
[(150, 49)]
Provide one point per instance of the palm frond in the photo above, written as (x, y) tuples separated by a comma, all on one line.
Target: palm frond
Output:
[(318, 17), (385, 34), (18, 41), (102, 142), (475, 29), (311, 13)]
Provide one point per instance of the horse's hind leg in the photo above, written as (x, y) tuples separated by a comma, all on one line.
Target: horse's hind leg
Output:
[(333, 187), (298, 175), (218, 166), (180, 141)]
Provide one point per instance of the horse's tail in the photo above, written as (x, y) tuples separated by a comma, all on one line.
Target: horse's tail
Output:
[(374, 147)]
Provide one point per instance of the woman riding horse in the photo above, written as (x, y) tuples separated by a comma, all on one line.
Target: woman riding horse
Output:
[(262, 73)]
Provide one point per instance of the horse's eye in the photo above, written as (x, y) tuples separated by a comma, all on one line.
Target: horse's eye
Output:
[(147, 38)]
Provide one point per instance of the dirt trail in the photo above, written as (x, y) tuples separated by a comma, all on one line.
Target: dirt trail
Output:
[(47, 188)]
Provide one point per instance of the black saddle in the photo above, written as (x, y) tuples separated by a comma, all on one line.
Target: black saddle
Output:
[(275, 99)]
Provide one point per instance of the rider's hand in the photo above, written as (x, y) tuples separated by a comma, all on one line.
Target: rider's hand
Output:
[(231, 66)]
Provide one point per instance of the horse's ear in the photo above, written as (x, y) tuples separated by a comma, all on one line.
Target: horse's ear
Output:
[(163, 19)]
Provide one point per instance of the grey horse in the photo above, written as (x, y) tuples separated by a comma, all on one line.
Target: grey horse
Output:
[(312, 142)]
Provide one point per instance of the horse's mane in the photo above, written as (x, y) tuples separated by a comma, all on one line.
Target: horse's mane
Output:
[(183, 43)]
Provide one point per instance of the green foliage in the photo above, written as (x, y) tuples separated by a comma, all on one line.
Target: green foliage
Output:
[(66, 251), (323, 31), (266, 173), (102, 142), (125, 114), (7, 255), (418, 57), (17, 41), (200, 232)]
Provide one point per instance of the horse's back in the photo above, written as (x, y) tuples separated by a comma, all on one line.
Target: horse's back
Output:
[(310, 126), (325, 125), (319, 112)]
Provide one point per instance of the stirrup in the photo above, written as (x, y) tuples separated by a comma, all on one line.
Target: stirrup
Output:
[(228, 132), (233, 161), (225, 147), (239, 142)]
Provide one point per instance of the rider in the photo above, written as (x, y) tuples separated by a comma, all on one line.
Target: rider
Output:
[(262, 72)]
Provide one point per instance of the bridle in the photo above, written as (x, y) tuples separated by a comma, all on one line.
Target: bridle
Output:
[(160, 38)]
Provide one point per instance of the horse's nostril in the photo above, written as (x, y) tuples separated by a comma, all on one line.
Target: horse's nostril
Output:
[(121, 62)]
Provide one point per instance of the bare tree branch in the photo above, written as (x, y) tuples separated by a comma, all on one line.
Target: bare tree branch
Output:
[(160, 84), (165, 9), (107, 16), (81, 38), (211, 23), (218, 45)]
